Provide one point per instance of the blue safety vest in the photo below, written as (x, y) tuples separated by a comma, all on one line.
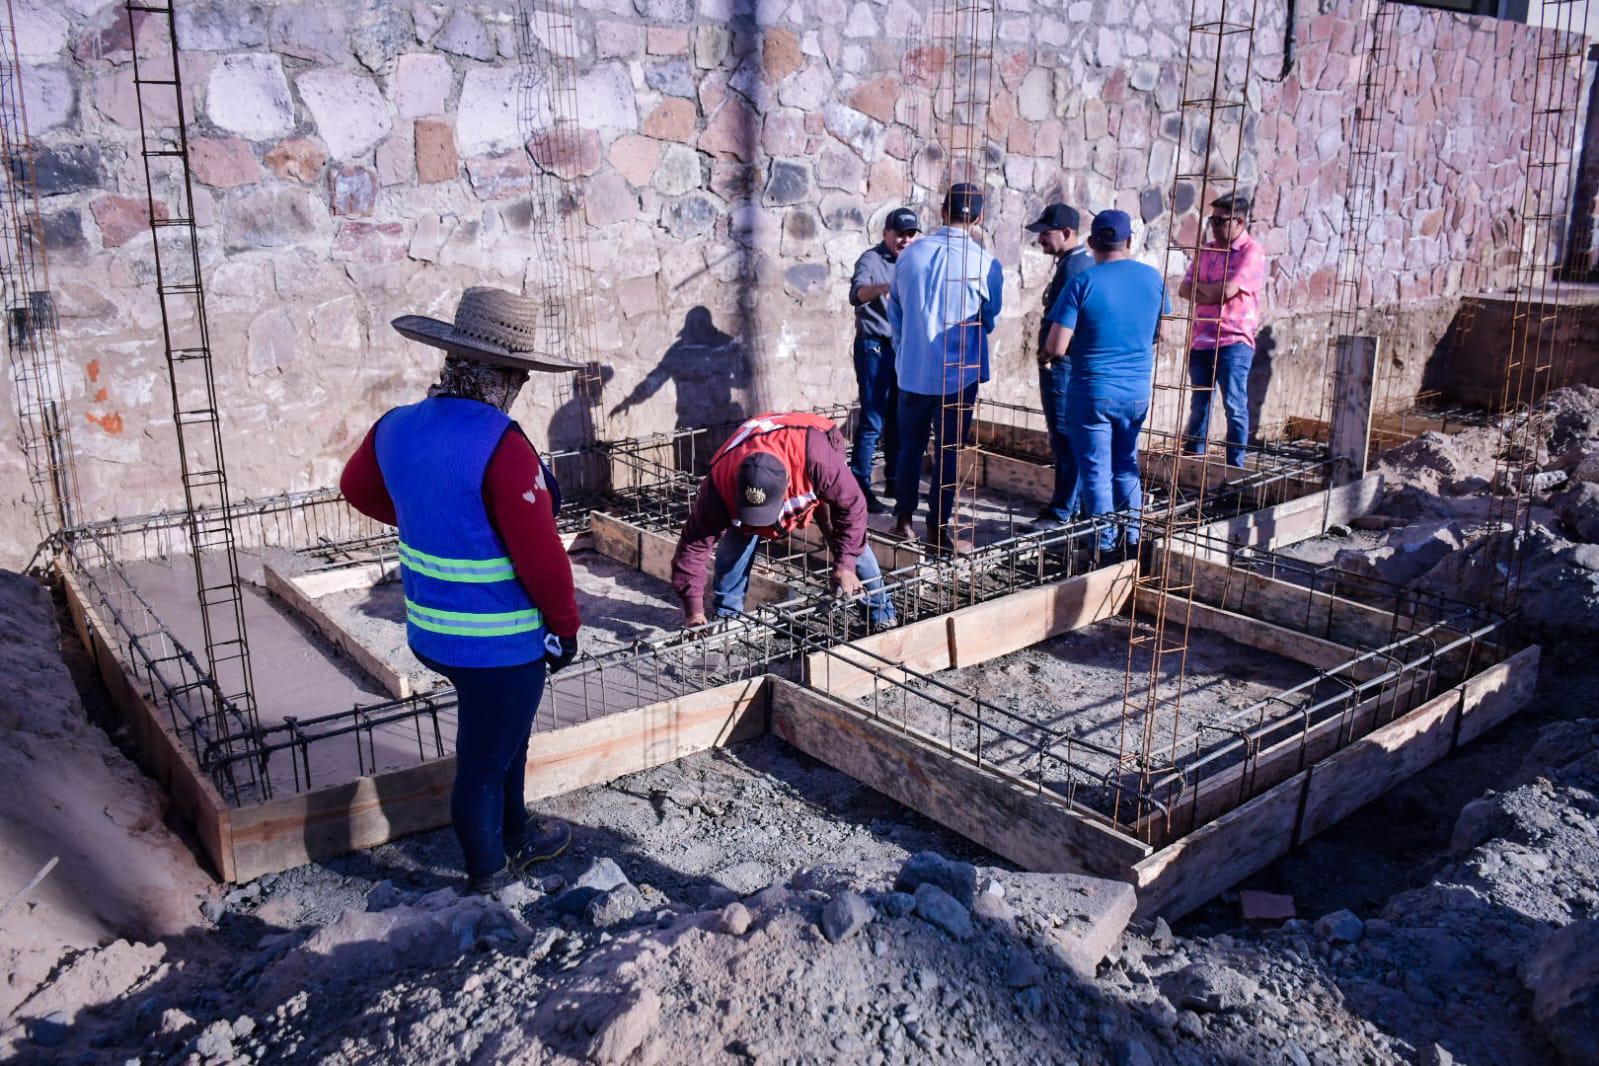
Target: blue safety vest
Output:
[(463, 603)]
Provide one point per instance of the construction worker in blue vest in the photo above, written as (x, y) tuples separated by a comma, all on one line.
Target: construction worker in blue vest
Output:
[(489, 598)]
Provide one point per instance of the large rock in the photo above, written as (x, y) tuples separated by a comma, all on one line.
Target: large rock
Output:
[(223, 162), (939, 908), (1407, 555), (1209, 986), (486, 113), (122, 218), (606, 99), (845, 915), (350, 113), (314, 31), (1578, 509), (1563, 975), (64, 168), (273, 218), (1077, 919), (959, 879), (297, 159), (465, 36), (247, 94), (421, 84)]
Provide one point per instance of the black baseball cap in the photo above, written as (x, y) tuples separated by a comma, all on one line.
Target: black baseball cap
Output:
[(1234, 203), (1057, 216), (762, 488), (964, 202), (1111, 227), (904, 220)]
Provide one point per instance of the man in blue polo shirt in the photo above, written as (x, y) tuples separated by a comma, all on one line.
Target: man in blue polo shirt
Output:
[(1105, 324), (1057, 230), (942, 305)]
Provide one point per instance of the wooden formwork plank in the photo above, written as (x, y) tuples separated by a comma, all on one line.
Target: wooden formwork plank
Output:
[(344, 579), (1003, 813), (1349, 442), (1250, 632), (1032, 441), (192, 795), (1347, 780), (1281, 602), (851, 670), (286, 832), (295, 596), (1192, 869), (651, 553), (1293, 520), (1497, 693), (988, 630)]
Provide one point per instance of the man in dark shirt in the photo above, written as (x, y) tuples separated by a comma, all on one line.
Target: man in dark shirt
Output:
[(1057, 230), (874, 355)]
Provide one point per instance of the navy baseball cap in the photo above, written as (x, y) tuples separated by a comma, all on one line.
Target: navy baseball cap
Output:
[(1057, 216), (904, 220), (1236, 204), (1111, 227), (964, 202), (762, 489)]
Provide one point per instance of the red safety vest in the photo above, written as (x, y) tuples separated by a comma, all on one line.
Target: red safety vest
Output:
[(784, 436)]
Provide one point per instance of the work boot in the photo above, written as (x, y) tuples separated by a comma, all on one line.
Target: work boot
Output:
[(546, 839), (491, 884), (941, 540), (1046, 520), (875, 505)]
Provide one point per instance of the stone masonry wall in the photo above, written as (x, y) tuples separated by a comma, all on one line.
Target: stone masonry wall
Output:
[(361, 159)]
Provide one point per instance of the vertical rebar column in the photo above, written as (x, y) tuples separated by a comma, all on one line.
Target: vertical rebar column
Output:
[(1533, 355), (970, 86), (1214, 102), (164, 147), (43, 427)]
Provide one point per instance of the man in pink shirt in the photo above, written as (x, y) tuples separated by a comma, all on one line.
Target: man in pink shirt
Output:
[(1225, 285)]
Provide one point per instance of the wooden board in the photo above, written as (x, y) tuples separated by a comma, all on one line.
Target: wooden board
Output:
[(345, 579), (292, 592), (1350, 437), (1294, 520), (286, 832), (1250, 632), (190, 791), (651, 553), (1192, 870), (988, 630), (1497, 693), (851, 670), (1282, 603), (1344, 782), (1024, 441), (1001, 812)]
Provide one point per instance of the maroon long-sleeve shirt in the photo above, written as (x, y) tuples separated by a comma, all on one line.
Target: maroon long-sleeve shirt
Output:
[(520, 509), (841, 516)]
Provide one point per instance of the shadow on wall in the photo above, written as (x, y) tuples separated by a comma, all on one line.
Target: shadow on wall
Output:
[(709, 369), (1260, 379)]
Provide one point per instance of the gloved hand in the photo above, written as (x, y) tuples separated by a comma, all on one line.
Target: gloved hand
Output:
[(559, 651)]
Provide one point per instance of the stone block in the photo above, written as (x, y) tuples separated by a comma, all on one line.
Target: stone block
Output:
[(370, 242), (486, 113), (270, 342), (787, 182), (273, 217), (711, 45), (1035, 100), (247, 94), (678, 172), (877, 97), (673, 77), (350, 114), (666, 41), (839, 168), (296, 159), (63, 232), (465, 35), (421, 84), (805, 279), (781, 54), (496, 177), (566, 152), (692, 216), (1081, 918), (672, 120), (862, 23), (352, 190), (618, 40), (39, 33), (606, 99), (396, 161), (634, 157), (607, 199), (218, 26), (122, 218), (807, 90), (732, 131), (62, 168), (887, 181), (223, 162), (309, 31), (853, 128), (382, 30), (783, 132), (843, 211), (802, 229)]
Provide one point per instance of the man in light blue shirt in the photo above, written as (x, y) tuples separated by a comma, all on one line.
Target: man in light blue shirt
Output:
[(1105, 323), (942, 305)]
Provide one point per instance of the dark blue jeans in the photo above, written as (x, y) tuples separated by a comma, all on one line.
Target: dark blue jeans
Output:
[(493, 718), (1104, 433), (1226, 368), (879, 419), (921, 416), (735, 558), (1052, 391)]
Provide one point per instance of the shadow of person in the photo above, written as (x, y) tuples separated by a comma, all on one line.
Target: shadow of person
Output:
[(1260, 379), (576, 421), (709, 370)]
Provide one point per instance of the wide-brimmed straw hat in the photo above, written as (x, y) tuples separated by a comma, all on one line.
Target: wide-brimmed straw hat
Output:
[(491, 326)]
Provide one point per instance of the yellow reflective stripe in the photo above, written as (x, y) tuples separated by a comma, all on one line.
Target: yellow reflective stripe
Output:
[(469, 631), (531, 613)]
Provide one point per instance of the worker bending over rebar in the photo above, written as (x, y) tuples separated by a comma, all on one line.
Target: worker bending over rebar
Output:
[(774, 475), (489, 597)]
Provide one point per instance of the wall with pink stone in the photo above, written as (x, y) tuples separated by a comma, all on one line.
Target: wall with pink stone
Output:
[(357, 160)]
